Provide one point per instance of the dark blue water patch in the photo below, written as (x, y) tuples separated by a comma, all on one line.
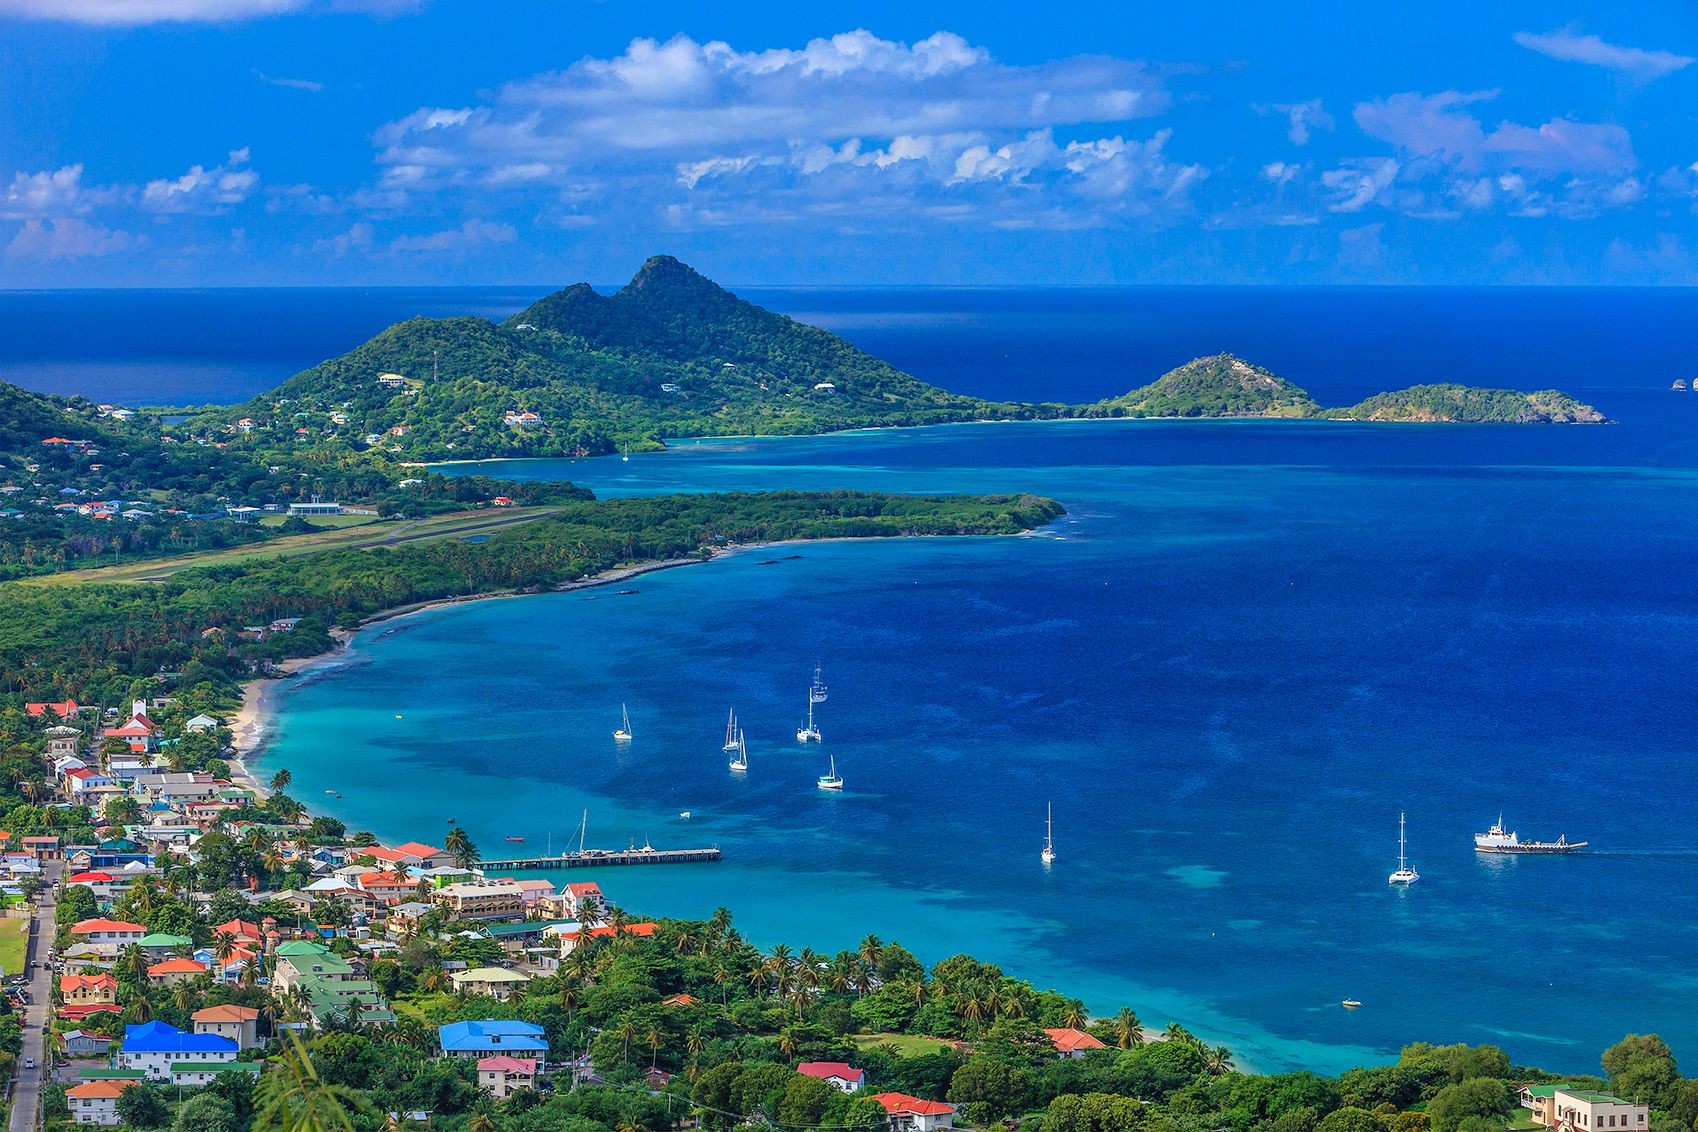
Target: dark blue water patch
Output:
[(1070, 344)]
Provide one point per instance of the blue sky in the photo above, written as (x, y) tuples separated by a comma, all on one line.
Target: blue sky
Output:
[(218, 142)]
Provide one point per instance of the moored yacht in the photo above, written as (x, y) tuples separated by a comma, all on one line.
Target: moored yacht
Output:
[(830, 780), (1404, 874)]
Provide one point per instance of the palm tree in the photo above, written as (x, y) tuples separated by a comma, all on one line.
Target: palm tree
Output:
[(460, 845), (294, 1098), (1217, 1061), (654, 1037), (1128, 1033), (480, 1122), (872, 950), (787, 1041), (281, 780), (625, 1031)]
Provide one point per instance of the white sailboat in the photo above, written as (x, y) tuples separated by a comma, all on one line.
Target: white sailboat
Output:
[(1048, 855), (740, 757), (730, 743), (1404, 874), (623, 735), (816, 691), (808, 733), (831, 781)]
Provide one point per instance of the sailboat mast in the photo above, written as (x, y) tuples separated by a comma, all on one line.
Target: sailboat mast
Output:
[(1402, 861)]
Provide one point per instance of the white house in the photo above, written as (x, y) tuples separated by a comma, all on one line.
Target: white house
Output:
[(154, 1047), (501, 1076), (911, 1114), (843, 1077), (95, 1102), (1580, 1110)]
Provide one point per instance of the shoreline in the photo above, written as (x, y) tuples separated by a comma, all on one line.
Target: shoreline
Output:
[(252, 726)]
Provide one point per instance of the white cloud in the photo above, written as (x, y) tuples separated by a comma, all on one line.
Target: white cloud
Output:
[(1634, 62), (56, 192), (68, 238), (128, 13), (471, 234), (840, 125), (1437, 126), (201, 189), (1357, 185)]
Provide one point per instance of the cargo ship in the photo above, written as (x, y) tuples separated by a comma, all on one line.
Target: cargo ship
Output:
[(1497, 840)]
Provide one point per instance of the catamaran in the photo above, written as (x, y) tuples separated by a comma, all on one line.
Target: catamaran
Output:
[(730, 743), (808, 733), (831, 781), (1048, 855), (623, 735), (1404, 874), (740, 757), (816, 692)]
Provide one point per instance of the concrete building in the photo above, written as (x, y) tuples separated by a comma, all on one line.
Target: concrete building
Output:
[(502, 1076), (153, 1047), (1572, 1109), (496, 982), (911, 1114), (238, 1023)]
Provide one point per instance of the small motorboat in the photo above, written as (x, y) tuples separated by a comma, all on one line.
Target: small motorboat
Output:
[(1350, 1004), (450, 821), (684, 815), (516, 839)]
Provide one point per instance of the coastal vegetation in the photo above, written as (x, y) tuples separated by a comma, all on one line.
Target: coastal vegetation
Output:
[(1451, 403), (106, 643)]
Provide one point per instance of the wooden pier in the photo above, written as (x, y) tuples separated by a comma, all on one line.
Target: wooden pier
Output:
[(591, 858)]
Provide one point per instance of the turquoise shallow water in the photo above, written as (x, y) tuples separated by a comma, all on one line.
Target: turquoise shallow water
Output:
[(1245, 650)]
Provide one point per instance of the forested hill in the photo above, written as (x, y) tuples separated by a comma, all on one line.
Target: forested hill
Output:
[(671, 354)]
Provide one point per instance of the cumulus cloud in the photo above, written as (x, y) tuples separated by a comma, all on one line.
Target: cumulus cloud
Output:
[(68, 238), (835, 126), (128, 13), (54, 192), (202, 189), (1449, 161), (471, 234), (1634, 62)]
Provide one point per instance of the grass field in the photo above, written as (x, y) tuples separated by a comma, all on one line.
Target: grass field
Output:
[(366, 535), (905, 1045), (14, 935)]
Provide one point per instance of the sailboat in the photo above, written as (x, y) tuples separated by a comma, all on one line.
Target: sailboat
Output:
[(831, 781), (816, 692), (1404, 874), (740, 757), (730, 743), (808, 733), (623, 735), (1048, 855)]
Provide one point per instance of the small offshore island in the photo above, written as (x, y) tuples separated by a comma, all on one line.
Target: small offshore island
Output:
[(156, 568)]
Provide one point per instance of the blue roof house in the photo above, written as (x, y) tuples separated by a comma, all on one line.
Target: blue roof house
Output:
[(153, 1046), (491, 1036)]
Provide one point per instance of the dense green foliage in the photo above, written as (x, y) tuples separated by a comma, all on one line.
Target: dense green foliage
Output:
[(100, 643), (184, 487), (1217, 386), (1462, 403), (593, 368)]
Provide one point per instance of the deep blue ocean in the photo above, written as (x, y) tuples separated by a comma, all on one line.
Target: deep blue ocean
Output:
[(1247, 648)]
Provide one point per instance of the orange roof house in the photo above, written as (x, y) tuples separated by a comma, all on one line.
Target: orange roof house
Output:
[(1069, 1042)]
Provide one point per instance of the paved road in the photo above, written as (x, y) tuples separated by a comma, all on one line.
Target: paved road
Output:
[(26, 1091)]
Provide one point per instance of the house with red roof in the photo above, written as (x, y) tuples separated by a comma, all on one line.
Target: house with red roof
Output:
[(64, 709), (502, 1076), (96, 1102), (569, 939), (107, 937), (571, 898), (87, 994), (139, 732), (170, 972), (427, 856), (679, 1000), (243, 931), (389, 886), (840, 1075), (911, 1114), (1071, 1043)]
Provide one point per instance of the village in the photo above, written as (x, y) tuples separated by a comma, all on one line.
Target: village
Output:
[(211, 921)]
